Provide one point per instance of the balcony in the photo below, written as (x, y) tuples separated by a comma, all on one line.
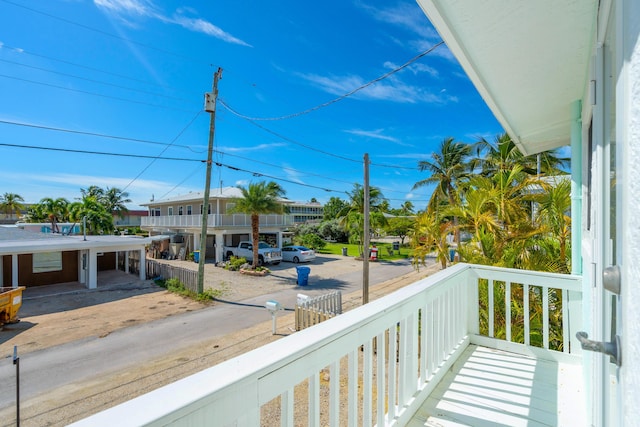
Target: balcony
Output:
[(470, 345), (214, 221)]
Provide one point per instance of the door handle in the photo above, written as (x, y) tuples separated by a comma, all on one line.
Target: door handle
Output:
[(611, 348)]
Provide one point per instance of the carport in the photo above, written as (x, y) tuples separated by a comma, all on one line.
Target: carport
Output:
[(28, 258)]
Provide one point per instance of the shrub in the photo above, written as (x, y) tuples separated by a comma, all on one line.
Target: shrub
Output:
[(235, 263)]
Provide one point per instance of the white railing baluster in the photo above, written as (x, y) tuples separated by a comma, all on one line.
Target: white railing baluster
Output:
[(423, 345), (352, 410), (314, 399), (380, 377), (507, 310), (334, 394), (402, 362), (545, 317), (566, 337), (367, 383), (392, 369), (525, 303), (286, 408), (491, 312), (431, 340)]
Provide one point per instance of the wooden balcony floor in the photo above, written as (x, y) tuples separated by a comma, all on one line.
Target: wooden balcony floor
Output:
[(488, 387)]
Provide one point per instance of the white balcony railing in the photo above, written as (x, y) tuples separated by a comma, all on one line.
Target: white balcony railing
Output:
[(214, 220), (383, 359)]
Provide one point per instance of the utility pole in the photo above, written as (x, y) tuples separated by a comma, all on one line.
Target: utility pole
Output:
[(365, 256), (209, 106)]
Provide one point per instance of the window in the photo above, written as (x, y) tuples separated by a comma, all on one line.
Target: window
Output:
[(170, 210), (157, 212), (230, 206), (47, 261), (180, 212), (189, 210), (209, 209)]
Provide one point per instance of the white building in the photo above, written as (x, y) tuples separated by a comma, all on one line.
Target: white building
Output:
[(181, 217)]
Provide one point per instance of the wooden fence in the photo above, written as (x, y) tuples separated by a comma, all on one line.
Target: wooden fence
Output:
[(188, 277), (311, 311), (155, 269)]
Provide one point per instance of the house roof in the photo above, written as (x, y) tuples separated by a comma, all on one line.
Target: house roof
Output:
[(14, 240), (197, 196), (528, 59)]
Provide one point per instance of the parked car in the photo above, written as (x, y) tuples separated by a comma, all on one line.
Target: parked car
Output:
[(297, 254)]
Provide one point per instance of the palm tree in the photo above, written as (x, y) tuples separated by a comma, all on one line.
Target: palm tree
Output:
[(55, 210), (429, 236), (98, 219), (10, 203), (257, 199), (351, 217), (114, 201), (448, 168), (502, 154)]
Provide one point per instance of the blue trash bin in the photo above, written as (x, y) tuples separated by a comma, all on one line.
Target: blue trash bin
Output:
[(303, 276), (196, 256)]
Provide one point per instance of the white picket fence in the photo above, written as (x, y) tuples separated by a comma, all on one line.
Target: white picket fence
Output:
[(311, 311)]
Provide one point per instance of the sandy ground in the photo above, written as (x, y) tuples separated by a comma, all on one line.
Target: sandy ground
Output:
[(66, 313)]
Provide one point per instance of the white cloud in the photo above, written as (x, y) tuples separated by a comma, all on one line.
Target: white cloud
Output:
[(202, 26), (376, 134), (258, 147), (292, 174), (390, 89), (128, 9)]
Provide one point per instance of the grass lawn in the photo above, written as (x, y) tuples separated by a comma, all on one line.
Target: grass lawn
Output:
[(383, 250)]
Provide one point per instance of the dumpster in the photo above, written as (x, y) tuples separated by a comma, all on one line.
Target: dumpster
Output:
[(303, 276), (344, 251), (196, 256), (10, 302)]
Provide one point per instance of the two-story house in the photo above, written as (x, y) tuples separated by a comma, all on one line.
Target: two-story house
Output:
[(181, 218)]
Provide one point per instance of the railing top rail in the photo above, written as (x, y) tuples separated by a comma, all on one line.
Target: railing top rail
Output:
[(528, 277)]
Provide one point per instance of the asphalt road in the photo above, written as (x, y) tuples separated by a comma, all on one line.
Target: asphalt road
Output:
[(82, 360)]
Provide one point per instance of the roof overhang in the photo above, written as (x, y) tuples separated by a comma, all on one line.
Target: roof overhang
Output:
[(528, 59)]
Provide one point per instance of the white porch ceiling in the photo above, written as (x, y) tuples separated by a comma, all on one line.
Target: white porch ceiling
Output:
[(529, 59)]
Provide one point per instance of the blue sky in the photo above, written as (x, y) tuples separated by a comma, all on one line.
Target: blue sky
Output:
[(128, 77)]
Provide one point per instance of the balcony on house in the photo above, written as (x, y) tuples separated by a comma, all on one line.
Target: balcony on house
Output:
[(215, 220), (470, 345)]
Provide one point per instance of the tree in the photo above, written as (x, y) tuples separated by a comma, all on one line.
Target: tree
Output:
[(502, 154), (98, 219), (430, 236), (400, 226), (448, 168), (352, 215), (114, 201), (55, 210), (257, 199), (10, 203), (332, 208)]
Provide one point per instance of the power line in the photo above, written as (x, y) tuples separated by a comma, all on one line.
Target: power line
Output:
[(165, 149), (86, 67), (102, 153), (106, 33), (93, 93), (341, 97), (100, 135), (96, 81)]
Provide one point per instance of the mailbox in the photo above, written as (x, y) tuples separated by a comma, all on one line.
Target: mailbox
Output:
[(272, 306)]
